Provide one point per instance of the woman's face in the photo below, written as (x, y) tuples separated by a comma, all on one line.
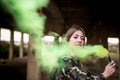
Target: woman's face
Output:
[(77, 39)]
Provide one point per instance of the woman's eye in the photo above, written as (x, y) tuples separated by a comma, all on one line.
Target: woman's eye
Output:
[(82, 38), (75, 37)]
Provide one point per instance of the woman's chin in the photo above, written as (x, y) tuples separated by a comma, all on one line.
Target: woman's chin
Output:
[(78, 45)]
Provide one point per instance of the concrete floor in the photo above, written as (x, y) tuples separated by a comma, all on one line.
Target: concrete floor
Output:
[(14, 69)]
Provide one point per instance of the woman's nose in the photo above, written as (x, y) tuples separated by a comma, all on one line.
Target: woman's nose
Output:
[(79, 40)]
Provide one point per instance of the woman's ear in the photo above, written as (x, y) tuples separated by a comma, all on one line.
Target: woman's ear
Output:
[(85, 40)]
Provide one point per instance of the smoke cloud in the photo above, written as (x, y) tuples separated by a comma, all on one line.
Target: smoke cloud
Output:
[(28, 20)]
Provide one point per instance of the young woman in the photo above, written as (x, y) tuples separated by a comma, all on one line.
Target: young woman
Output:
[(73, 68)]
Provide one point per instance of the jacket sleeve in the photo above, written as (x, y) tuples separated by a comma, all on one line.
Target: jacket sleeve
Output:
[(66, 74), (96, 77), (73, 71)]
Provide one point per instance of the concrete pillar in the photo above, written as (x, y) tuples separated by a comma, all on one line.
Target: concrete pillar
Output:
[(32, 65), (21, 47), (54, 19), (11, 45)]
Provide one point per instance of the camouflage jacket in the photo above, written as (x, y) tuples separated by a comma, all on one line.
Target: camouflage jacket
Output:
[(71, 69)]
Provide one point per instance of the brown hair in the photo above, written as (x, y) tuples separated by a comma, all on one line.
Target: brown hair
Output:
[(72, 29)]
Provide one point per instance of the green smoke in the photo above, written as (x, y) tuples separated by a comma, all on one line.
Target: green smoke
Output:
[(28, 20), (25, 14), (52, 53)]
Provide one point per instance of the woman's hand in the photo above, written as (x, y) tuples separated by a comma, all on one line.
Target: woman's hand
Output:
[(109, 69)]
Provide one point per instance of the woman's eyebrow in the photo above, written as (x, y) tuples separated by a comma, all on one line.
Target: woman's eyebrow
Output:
[(76, 35), (83, 36)]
